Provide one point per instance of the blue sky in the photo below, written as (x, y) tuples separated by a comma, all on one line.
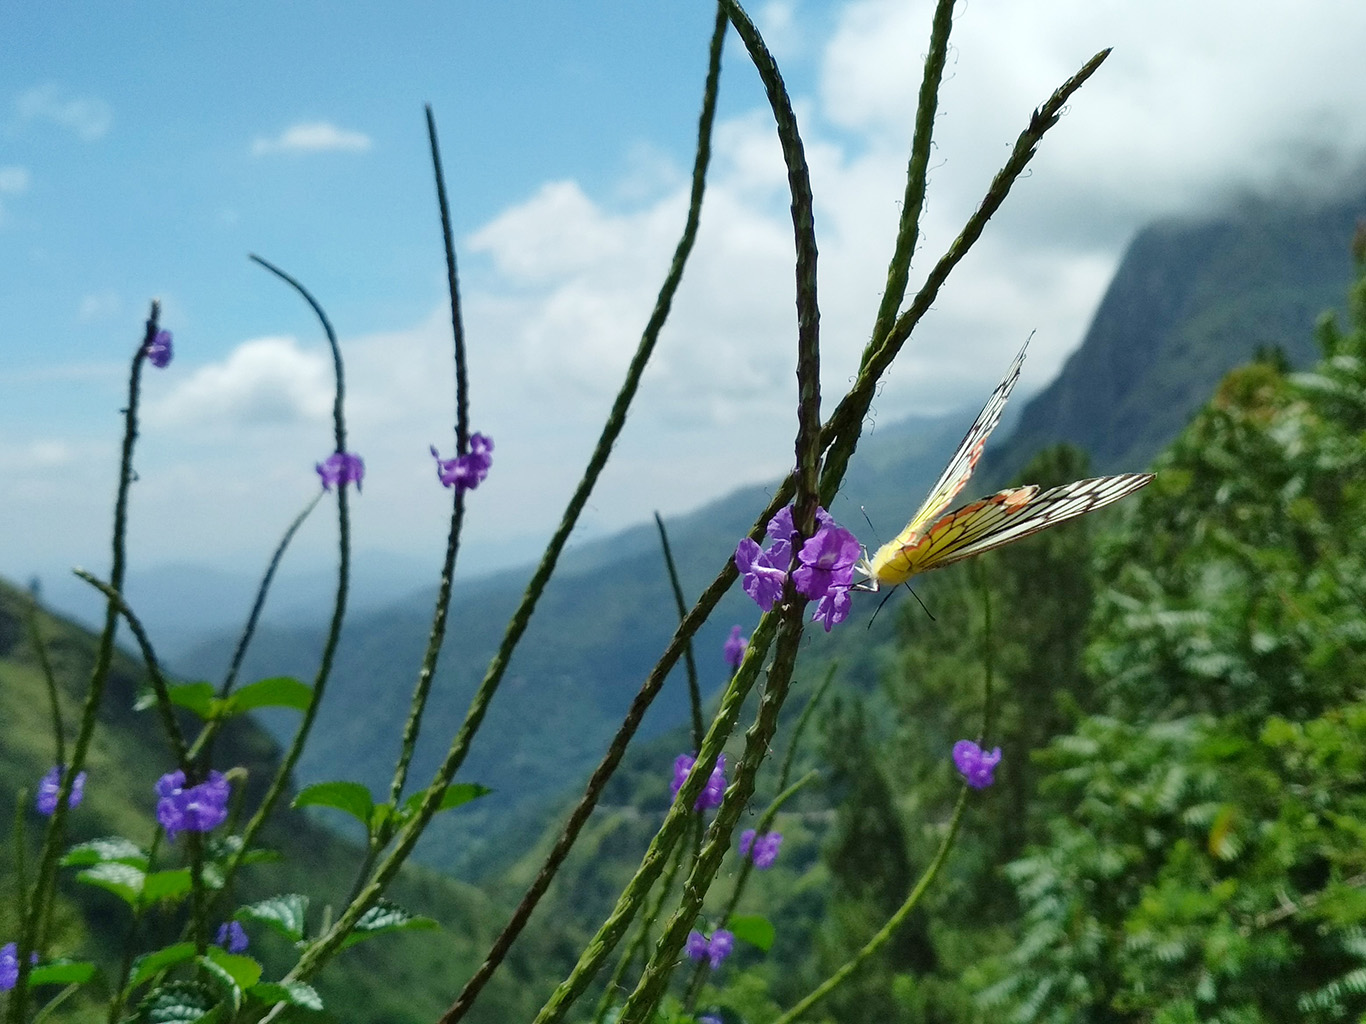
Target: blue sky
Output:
[(146, 148)]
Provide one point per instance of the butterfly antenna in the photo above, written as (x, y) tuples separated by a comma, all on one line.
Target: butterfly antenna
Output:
[(921, 603), (879, 607)]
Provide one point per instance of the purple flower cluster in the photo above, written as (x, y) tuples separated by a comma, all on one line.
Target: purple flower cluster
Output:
[(734, 648), (762, 849), (341, 468), (714, 949), (9, 966), (713, 791), (466, 472), (158, 350), (232, 937), (50, 785), (975, 765), (200, 808), (824, 575)]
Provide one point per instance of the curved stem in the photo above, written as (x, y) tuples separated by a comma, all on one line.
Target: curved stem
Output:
[(31, 937)]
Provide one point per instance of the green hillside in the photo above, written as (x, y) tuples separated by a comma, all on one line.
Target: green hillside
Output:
[(408, 977)]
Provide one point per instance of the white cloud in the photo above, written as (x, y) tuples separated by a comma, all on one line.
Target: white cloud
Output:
[(38, 455), (89, 117), (312, 137), (13, 180), (263, 383)]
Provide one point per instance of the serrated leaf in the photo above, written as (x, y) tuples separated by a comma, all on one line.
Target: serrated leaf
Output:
[(227, 984), (245, 970), (113, 849), (123, 880), (351, 797), (755, 929), (179, 1002), (149, 965), (276, 692), (167, 885), (286, 914), (63, 972), (386, 917), (293, 993)]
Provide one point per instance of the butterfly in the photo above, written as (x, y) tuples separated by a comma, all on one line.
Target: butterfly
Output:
[(931, 539)]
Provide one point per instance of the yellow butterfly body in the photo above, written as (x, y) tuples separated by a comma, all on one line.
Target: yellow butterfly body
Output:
[(934, 538)]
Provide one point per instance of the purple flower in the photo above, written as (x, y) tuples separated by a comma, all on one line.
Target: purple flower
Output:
[(762, 849), (341, 468), (9, 966), (49, 786), (833, 608), (715, 949), (734, 648), (708, 1018), (762, 573), (827, 561), (975, 765), (198, 808), (715, 788), (158, 350), (232, 937), (466, 472)]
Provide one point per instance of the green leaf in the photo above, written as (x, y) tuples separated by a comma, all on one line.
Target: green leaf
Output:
[(149, 965), (755, 929), (179, 1002), (455, 795), (286, 914), (166, 885), (196, 697), (351, 797), (245, 970), (293, 993), (113, 849), (386, 917), (227, 983), (123, 880), (276, 692), (63, 972)]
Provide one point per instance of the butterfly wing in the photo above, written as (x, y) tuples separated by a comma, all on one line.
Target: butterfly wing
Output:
[(964, 460), (1003, 518)]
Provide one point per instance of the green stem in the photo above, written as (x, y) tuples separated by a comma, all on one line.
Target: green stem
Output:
[(165, 708), (45, 664), (690, 663), (437, 634), (893, 923), (283, 773), (31, 937)]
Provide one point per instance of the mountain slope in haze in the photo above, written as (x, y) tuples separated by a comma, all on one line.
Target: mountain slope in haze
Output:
[(1190, 301)]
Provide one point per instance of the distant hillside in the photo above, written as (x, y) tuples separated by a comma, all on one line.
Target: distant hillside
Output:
[(1190, 301), (409, 977)]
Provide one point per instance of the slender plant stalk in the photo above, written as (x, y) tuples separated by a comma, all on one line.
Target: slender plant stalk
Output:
[(676, 822), (842, 429), (642, 936), (641, 1004), (259, 604), (437, 635), (893, 923), (45, 664), (169, 723), (690, 663), (31, 937), (329, 944), (280, 782), (805, 718)]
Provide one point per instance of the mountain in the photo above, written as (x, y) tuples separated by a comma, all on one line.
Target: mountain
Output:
[(128, 755), (1190, 301)]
